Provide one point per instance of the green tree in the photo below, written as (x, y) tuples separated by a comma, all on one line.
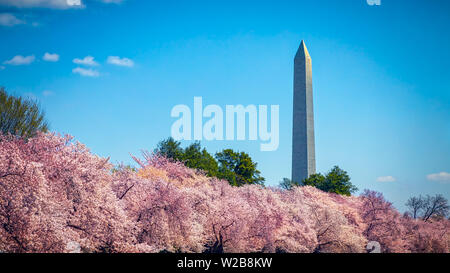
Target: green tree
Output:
[(288, 184), (170, 148), (238, 168), (317, 180), (19, 116), (336, 181), (193, 156), (197, 158)]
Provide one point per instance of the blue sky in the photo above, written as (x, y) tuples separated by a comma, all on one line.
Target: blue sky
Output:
[(380, 76)]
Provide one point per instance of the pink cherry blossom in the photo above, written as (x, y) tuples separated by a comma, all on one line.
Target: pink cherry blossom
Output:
[(56, 196)]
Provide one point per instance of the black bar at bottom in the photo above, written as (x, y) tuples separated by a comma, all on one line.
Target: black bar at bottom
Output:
[(218, 262)]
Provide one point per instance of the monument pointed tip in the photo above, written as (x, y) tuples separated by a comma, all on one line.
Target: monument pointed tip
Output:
[(302, 51)]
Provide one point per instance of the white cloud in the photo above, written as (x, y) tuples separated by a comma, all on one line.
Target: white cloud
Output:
[(9, 20), (47, 93), (88, 60), (86, 72), (20, 60), (55, 4), (443, 177), (115, 60), (386, 179), (50, 57), (74, 3), (112, 1)]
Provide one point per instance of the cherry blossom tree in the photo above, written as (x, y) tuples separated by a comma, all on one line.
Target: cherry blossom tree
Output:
[(160, 209), (383, 222), (426, 237), (54, 191), (291, 229), (334, 231), (56, 196)]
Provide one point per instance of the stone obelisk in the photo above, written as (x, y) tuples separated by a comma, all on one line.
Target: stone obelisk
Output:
[(303, 148)]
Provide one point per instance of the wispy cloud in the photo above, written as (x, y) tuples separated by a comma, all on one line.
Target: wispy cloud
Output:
[(443, 177), (115, 60), (86, 72), (9, 20), (74, 3), (2, 67), (112, 1), (20, 60), (50, 57), (54, 4), (47, 93), (88, 60), (386, 179)]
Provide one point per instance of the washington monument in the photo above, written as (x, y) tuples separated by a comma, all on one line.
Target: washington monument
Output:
[(303, 148)]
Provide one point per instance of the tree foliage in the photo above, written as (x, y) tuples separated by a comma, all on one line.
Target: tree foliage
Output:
[(398, 233), (335, 181), (56, 196), (54, 192), (197, 158), (237, 168), (170, 148), (288, 184), (19, 116)]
